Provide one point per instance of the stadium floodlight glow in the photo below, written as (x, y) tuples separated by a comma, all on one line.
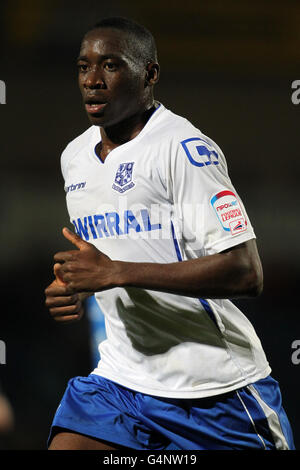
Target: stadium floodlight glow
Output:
[(2, 352), (2, 92)]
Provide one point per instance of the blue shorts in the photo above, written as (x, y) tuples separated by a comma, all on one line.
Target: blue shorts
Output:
[(251, 417)]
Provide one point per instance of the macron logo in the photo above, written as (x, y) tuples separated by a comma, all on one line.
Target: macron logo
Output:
[(75, 187)]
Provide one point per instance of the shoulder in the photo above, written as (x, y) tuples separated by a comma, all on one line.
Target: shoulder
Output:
[(77, 145), (170, 126), (180, 139)]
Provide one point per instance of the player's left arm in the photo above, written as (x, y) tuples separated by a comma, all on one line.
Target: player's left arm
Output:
[(233, 273)]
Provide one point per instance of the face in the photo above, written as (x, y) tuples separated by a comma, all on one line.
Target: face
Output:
[(111, 80)]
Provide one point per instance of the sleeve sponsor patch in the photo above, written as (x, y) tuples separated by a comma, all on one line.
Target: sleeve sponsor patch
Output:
[(229, 212), (199, 152)]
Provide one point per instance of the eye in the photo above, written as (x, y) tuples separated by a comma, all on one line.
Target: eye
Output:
[(110, 66), (82, 67)]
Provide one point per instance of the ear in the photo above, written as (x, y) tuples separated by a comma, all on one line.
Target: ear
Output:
[(152, 73)]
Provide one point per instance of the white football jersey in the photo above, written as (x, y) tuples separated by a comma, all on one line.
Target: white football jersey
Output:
[(164, 197)]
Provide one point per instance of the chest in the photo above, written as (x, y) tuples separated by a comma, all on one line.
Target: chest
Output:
[(125, 194)]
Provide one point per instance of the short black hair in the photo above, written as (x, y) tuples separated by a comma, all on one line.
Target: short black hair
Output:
[(142, 41)]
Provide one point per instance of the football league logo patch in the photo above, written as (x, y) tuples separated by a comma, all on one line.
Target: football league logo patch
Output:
[(123, 179), (229, 212)]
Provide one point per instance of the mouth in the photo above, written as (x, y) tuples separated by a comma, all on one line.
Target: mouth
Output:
[(94, 106)]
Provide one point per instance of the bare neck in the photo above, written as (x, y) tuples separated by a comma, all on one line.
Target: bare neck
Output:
[(116, 135)]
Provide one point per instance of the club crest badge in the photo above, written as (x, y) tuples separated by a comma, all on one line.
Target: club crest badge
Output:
[(123, 179)]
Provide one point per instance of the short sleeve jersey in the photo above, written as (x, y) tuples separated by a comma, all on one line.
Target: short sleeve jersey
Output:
[(164, 197)]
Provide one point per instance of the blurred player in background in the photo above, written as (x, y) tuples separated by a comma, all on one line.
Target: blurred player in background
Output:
[(164, 241), (7, 418)]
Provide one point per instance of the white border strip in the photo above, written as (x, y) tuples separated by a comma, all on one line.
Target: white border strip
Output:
[(273, 421)]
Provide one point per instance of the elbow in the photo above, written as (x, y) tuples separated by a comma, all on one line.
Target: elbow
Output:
[(247, 268), (253, 282), (256, 286)]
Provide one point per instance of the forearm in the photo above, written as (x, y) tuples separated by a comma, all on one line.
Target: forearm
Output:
[(235, 272), (216, 276)]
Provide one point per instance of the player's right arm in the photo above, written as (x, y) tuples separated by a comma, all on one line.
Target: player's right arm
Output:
[(66, 306)]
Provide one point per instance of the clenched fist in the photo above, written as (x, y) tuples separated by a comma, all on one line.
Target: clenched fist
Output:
[(78, 274), (85, 269), (63, 306)]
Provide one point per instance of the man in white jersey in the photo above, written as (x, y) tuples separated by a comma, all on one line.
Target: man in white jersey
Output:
[(163, 241)]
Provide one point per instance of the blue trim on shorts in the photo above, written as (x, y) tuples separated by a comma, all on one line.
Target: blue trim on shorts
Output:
[(100, 408)]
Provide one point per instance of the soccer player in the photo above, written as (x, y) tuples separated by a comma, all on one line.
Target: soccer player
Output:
[(6, 415), (163, 241)]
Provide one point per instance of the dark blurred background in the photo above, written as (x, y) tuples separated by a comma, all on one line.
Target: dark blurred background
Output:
[(227, 66)]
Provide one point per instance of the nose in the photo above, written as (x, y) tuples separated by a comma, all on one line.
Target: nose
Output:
[(93, 79)]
